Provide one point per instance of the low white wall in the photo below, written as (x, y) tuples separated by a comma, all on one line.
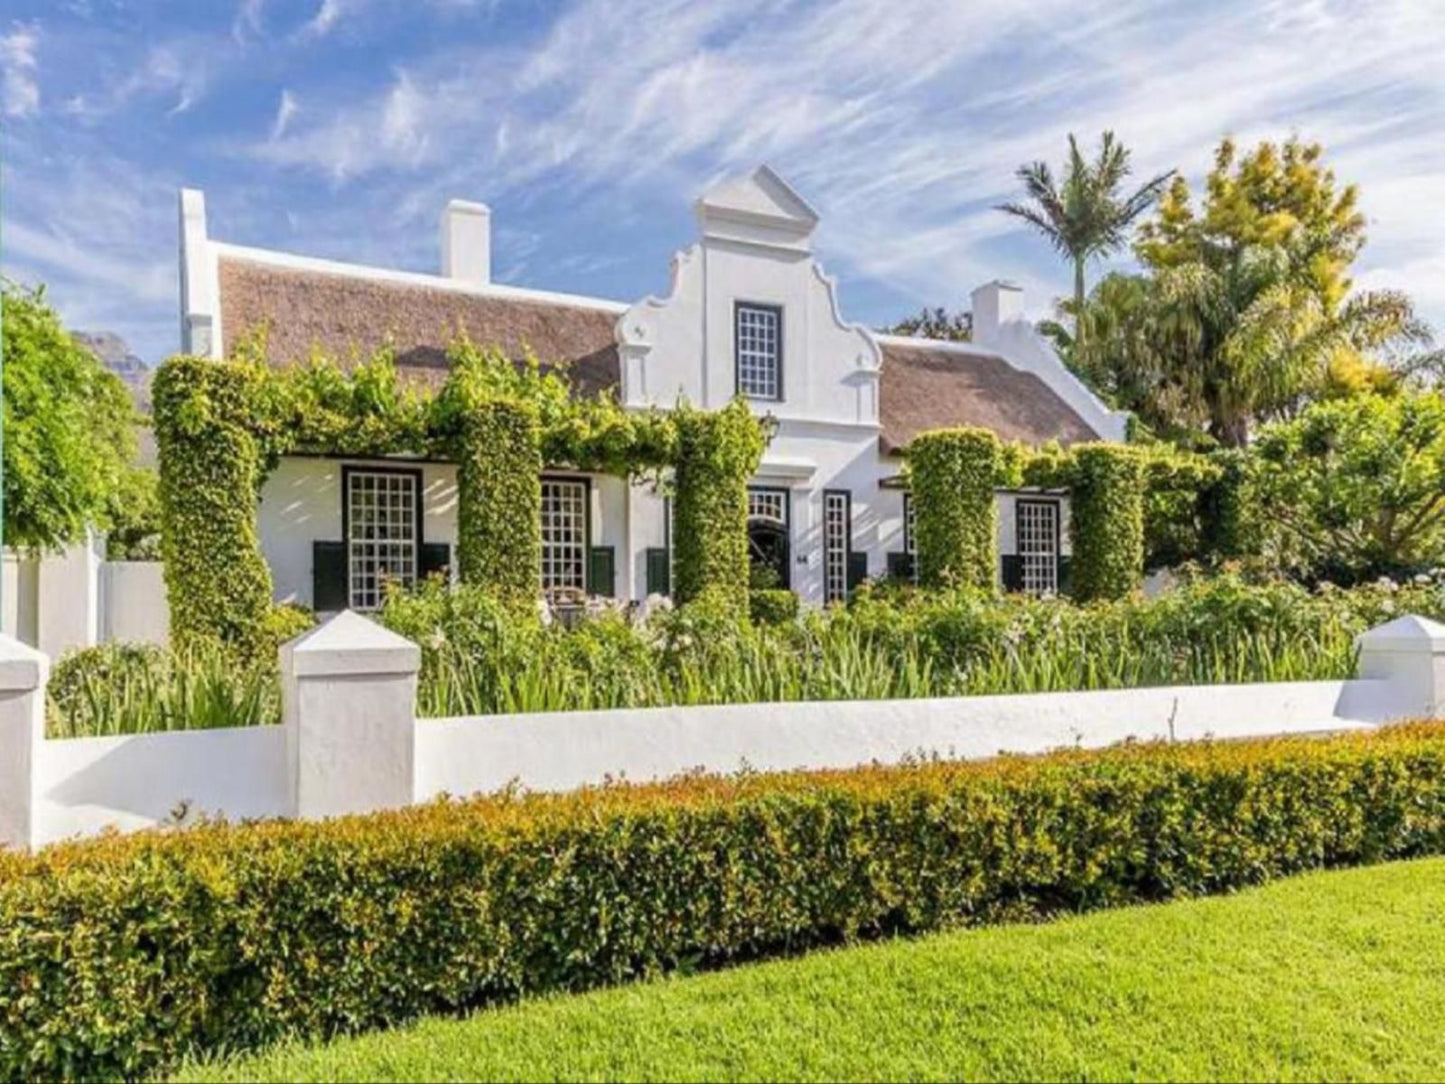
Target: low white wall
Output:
[(135, 604), (85, 785), (564, 750)]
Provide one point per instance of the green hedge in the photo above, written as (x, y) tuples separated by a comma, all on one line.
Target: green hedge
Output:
[(120, 955), (716, 454), (217, 581), (499, 507), (772, 606), (1106, 510), (953, 475)]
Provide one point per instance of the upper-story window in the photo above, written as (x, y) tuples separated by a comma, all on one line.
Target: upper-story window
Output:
[(759, 338)]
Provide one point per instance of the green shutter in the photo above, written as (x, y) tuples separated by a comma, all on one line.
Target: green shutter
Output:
[(328, 576), (1013, 572), (857, 570), (436, 560), (659, 572), (601, 572), (900, 566)]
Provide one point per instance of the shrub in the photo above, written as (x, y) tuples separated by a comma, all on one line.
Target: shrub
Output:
[(953, 474), (1106, 516), (776, 606), (138, 688), (217, 581), (716, 454), (118, 956)]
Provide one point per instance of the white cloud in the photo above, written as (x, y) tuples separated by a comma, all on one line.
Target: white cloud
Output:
[(19, 88), (285, 110), (248, 22), (325, 20)]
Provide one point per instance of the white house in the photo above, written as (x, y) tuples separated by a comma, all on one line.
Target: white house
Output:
[(750, 312)]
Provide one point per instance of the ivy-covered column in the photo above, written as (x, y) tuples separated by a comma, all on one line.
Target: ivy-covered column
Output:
[(1106, 498), (217, 581), (499, 506), (953, 474), (716, 455)]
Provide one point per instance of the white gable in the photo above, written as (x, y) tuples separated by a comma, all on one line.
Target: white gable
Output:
[(759, 208)]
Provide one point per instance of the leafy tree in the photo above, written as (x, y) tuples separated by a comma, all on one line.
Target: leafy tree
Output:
[(1244, 311), (69, 432), (1084, 216), (1351, 490), (935, 323)]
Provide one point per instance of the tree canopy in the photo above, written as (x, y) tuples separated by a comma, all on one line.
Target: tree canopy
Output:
[(69, 436), (935, 323)]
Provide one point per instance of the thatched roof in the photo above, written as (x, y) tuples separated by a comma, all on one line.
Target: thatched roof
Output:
[(932, 386), (351, 316)]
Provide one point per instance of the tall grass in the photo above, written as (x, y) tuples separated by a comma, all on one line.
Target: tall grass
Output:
[(479, 660), (136, 689)]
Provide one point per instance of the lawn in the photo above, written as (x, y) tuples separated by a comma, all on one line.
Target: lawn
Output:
[(1328, 976)]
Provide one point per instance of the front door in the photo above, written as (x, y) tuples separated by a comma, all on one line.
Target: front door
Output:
[(768, 548)]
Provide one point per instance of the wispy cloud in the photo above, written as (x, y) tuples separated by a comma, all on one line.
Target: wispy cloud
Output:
[(285, 110), (248, 22), (19, 87), (328, 14)]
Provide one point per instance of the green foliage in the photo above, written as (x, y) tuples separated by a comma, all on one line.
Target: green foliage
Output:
[(1106, 521), (716, 455), (230, 938), (1084, 215), (1244, 306), (772, 606), (953, 474), (139, 688), (496, 443), (481, 657), (68, 425), (1354, 489), (217, 581), (135, 518), (935, 323)]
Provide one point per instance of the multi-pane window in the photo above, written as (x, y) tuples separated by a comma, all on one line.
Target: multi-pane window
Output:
[(910, 533), (835, 546), (564, 534), (768, 504), (760, 351), (381, 533), (1038, 542)]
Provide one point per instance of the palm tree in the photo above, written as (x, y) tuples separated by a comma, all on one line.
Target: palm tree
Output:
[(1085, 217)]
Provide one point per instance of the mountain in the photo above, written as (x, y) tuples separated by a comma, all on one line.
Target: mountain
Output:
[(116, 356)]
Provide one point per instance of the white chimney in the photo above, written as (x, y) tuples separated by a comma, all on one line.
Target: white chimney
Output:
[(467, 242), (995, 304)]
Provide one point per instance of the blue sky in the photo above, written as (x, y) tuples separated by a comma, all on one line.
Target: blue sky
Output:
[(339, 128)]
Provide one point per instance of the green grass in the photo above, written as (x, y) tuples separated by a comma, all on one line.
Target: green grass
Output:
[(1328, 976)]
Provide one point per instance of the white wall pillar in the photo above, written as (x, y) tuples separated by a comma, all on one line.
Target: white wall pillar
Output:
[(349, 708), (68, 597), (1409, 653), (23, 674)]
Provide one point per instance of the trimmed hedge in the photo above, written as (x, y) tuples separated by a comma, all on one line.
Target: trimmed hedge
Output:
[(953, 474), (499, 506), (217, 580), (716, 454), (772, 606), (1107, 487), (121, 955)]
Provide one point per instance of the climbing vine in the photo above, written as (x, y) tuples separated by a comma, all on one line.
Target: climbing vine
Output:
[(954, 474)]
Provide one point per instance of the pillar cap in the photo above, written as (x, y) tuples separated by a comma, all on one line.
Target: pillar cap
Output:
[(349, 644), (22, 668), (1410, 633)]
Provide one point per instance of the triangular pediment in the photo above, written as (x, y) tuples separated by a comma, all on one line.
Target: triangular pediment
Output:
[(760, 197)]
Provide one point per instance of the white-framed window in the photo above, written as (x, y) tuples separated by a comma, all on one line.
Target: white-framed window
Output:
[(769, 504), (383, 532), (759, 337), (564, 533), (1038, 542), (836, 531)]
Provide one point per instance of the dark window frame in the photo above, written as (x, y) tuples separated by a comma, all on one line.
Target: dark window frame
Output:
[(1057, 504), (787, 528), (586, 482), (762, 306)]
